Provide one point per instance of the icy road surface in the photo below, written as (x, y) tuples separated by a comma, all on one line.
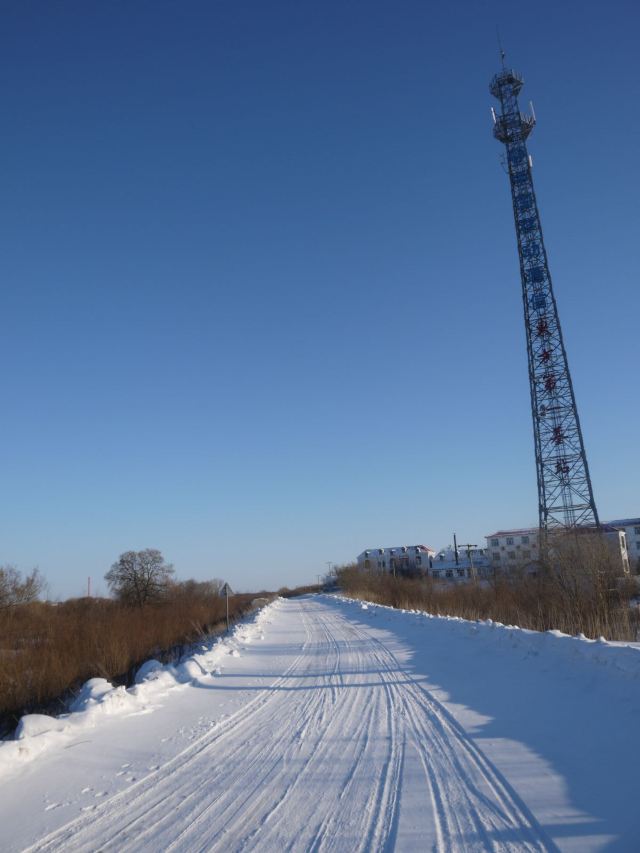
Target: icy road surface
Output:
[(329, 726)]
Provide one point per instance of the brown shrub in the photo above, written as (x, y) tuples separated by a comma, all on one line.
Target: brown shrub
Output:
[(578, 589), (48, 650)]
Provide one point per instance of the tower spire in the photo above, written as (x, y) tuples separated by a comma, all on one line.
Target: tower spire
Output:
[(503, 55), (565, 495)]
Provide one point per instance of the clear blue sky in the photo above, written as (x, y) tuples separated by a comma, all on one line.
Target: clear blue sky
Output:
[(261, 303)]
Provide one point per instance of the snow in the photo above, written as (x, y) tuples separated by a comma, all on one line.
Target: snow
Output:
[(328, 724)]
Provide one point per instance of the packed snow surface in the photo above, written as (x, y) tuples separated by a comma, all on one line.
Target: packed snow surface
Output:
[(326, 724)]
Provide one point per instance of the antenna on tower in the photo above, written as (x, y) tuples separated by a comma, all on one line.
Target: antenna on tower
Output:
[(503, 55)]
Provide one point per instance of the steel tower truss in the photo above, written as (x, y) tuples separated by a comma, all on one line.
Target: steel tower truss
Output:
[(565, 495)]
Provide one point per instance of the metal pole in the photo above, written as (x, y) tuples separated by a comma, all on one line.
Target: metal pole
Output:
[(227, 600), (472, 570)]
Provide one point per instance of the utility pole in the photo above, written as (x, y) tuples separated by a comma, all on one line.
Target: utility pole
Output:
[(472, 569), (455, 549)]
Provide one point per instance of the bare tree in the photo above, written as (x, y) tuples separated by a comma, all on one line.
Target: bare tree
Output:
[(139, 577), (16, 590)]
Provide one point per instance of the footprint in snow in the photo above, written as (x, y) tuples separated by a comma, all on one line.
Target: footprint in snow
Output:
[(52, 806), (86, 790)]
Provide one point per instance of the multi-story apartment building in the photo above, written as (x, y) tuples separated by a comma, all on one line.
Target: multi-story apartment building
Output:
[(511, 550), (403, 559), (508, 550), (420, 559)]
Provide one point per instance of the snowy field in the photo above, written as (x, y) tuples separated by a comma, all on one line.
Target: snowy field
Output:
[(324, 724)]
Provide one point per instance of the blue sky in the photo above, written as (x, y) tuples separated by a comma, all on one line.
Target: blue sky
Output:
[(261, 303)]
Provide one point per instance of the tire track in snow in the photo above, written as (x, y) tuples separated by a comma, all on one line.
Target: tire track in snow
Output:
[(482, 802), (320, 760), (139, 792)]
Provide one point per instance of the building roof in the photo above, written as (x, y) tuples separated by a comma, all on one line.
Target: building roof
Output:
[(521, 531), (607, 526), (398, 549)]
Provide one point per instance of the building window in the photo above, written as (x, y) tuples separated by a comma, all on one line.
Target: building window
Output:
[(449, 573), (366, 564), (436, 574), (511, 555), (524, 540), (509, 540), (496, 542), (418, 561), (496, 555), (636, 530), (526, 554), (460, 573)]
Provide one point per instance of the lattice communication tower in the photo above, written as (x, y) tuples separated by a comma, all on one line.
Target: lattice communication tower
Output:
[(565, 495)]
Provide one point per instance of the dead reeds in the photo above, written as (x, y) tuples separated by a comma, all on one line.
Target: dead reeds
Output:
[(49, 649), (578, 588)]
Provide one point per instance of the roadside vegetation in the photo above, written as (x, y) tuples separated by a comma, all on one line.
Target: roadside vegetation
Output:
[(48, 649), (578, 588)]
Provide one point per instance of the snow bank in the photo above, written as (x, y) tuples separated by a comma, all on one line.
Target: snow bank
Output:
[(99, 698), (624, 657)]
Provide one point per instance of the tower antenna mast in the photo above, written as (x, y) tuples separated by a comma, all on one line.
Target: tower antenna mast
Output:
[(565, 495), (503, 55)]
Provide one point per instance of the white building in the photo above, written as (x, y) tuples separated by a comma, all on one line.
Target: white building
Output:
[(422, 560), (631, 527), (403, 559), (510, 550), (470, 562)]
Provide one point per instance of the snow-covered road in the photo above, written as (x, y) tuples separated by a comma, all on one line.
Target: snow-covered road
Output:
[(323, 728)]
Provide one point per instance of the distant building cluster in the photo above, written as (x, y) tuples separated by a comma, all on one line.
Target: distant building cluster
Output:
[(506, 551), (420, 560)]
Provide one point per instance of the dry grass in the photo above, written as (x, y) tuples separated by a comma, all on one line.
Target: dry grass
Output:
[(48, 650), (577, 590), (285, 592)]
